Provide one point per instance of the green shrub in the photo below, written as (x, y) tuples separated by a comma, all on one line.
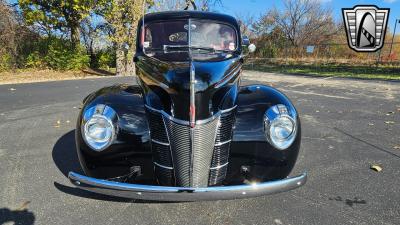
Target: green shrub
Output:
[(35, 60), (61, 57), (5, 62), (57, 54), (267, 51), (106, 59)]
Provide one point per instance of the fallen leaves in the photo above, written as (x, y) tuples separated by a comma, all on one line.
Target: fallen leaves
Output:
[(78, 107), (389, 122), (34, 75), (58, 123), (376, 168), (23, 206)]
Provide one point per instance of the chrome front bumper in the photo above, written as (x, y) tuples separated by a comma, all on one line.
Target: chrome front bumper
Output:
[(178, 194)]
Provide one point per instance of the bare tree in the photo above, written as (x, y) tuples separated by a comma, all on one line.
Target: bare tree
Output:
[(203, 5), (246, 23), (304, 21), (90, 32), (8, 35), (189, 3)]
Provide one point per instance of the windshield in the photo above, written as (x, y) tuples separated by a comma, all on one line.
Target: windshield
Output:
[(206, 37)]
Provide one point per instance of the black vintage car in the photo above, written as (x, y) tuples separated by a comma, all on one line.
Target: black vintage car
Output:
[(188, 131)]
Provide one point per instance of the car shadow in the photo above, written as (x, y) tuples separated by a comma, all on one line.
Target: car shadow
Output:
[(21, 217), (64, 154), (66, 159)]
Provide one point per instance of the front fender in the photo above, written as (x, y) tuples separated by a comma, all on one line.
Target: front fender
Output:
[(250, 146), (131, 145)]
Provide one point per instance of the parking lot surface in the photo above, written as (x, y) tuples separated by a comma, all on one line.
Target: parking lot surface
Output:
[(348, 125)]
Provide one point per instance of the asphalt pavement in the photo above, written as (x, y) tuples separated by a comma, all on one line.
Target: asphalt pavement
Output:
[(348, 125)]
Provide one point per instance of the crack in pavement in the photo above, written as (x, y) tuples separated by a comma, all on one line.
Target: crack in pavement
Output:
[(365, 142)]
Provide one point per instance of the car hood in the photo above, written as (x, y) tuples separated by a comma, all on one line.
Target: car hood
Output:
[(167, 85)]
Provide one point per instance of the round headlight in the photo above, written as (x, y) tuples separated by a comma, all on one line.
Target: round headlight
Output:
[(280, 127), (98, 130)]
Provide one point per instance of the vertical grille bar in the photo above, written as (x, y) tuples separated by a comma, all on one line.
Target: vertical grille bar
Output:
[(163, 166), (220, 159), (157, 129), (179, 138), (217, 176), (203, 148), (225, 129)]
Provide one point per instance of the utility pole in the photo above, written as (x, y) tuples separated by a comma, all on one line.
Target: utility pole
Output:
[(394, 33)]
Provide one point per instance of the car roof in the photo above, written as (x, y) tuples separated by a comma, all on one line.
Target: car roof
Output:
[(184, 14)]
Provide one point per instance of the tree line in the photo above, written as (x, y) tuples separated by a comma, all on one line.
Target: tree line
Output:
[(75, 34), (288, 31)]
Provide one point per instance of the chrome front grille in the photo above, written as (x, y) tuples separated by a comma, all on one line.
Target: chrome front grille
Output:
[(160, 147), (190, 157), (203, 148), (217, 175), (220, 159), (157, 129), (220, 156), (162, 154), (179, 138), (225, 130), (192, 151)]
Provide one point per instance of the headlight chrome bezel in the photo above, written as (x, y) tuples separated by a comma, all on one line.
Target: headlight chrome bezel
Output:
[(272, 117), (100, 112)]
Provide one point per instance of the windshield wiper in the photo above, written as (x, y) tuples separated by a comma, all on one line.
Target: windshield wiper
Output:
[(186, 47), (166, 47), (178, 48), (213, 50), (203, 48)]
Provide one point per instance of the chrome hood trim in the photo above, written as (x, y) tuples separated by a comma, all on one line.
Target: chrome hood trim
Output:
[(179, 194), (187, 123)]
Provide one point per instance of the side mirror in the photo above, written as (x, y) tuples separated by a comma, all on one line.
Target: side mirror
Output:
[(245, 41), (252, 48)]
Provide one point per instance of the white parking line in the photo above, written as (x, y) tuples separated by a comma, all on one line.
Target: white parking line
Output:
[(317, 94), (311, 82)]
